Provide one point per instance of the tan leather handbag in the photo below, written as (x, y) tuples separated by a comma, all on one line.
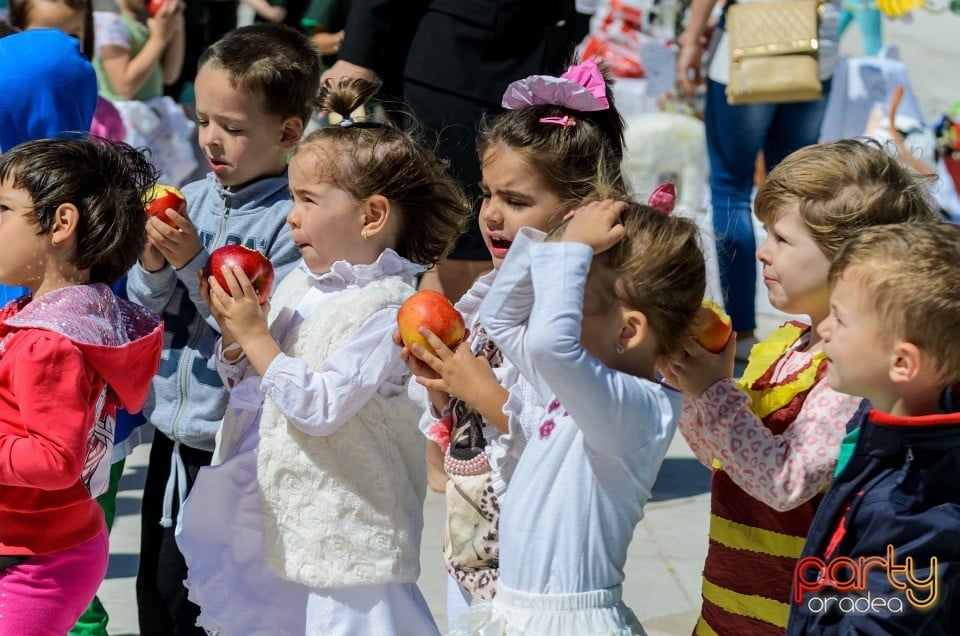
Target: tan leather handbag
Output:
[(773, 52)]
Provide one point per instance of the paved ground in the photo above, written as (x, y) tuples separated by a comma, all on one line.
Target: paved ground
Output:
[(665, 558)]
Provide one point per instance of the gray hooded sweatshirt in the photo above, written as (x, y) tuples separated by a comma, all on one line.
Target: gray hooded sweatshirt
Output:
[(187, 399)]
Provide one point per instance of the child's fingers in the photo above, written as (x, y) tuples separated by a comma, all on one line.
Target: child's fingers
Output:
[(433, 384), (426, 357), (246, 287), (397, 340), (442, 350)]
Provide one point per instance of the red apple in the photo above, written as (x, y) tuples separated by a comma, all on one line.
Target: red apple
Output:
[(714, 327), (161, 198), (153, 6), (432, 310), (255, 265)]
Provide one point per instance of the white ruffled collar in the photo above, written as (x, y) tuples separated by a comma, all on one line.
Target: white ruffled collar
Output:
[(343, 274)]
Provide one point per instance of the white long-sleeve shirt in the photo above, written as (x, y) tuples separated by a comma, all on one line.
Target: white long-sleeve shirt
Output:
[(579, 488)]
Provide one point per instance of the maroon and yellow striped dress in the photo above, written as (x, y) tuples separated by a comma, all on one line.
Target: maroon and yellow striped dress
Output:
[(753, 547)]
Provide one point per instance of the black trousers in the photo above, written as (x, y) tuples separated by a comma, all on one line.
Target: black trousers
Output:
[(161, 596), (454, 121)]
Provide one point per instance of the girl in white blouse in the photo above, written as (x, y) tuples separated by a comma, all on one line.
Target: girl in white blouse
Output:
[(310, 523), (585, 318)]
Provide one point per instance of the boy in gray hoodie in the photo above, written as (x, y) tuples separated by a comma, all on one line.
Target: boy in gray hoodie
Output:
[(253, 93)]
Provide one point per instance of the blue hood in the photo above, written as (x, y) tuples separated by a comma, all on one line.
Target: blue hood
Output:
[(47, 87)]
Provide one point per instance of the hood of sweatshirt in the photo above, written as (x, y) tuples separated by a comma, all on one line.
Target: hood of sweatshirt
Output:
[(120, 340), (47, 87)]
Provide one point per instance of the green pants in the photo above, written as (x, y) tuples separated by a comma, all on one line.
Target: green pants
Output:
[(93, 622)]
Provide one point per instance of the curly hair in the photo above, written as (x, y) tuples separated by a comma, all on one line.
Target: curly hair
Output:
[(105, 180), (841, 188)]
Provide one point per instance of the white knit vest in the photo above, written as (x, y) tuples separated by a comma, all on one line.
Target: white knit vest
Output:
[(347, 508)]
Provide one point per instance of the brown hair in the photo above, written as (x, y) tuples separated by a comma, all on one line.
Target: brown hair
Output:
[(20, 17), (366, 157), (105, 180), (573, 162), (658, 269), (911, 275), (272, 61), (841, 188)]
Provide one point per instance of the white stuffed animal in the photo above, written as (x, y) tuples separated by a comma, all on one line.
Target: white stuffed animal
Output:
[(667, 147), (664, 147)]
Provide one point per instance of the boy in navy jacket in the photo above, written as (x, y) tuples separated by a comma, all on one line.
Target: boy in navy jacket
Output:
[(883, 553)]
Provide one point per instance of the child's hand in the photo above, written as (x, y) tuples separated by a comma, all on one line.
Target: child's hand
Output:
[(597, 224), (178, 245), (167, 21), (151, 259), (204, 283), (458, 371), (239, 310), (418, 367), (695, 369)]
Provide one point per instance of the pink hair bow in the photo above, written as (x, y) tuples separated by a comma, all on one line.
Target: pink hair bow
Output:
[(664, 198), (581, 88)]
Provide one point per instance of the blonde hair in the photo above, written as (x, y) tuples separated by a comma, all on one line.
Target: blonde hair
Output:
[(365, 158), (910, 273), (657, 269), (841, 188)]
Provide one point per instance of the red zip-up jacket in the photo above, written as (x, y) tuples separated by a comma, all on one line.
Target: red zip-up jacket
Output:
[(66, 359)]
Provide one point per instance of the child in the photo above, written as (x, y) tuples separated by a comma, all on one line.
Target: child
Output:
[(47, 88), (135, 55), (893, 510), (72, 353), (539, 159), (772, 437), (253, 98), (311, 524), (584, 318)]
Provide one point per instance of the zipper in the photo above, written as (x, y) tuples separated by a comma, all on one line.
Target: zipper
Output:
[(186, 361)]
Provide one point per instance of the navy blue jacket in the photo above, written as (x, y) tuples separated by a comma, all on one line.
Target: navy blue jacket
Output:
[(899, 497)]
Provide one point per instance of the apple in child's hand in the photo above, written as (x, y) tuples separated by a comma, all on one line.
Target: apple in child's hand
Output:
[(432, 310), (153, 6), (714, 327), (160, 198), (255, 265)]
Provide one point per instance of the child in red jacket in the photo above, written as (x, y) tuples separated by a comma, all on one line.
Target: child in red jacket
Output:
[(71, 353)]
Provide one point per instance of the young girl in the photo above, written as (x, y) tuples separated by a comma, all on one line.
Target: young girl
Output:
[(560, 140), (311, 523), (772, 438), (71, 353), (135, 55), (585, 318)]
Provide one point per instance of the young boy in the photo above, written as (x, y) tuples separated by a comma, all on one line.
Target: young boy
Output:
[(882, 553), (253, 92)]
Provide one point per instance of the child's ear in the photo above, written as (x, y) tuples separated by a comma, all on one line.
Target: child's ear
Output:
[(908, 361), (66, 218), (634, 328), (376, 214), (291, 131)]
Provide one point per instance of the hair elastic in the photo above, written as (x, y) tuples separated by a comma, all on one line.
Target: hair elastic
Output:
[(566, 120), (346, 122)]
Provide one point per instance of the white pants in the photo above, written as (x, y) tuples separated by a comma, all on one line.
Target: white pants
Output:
[(513, 612)]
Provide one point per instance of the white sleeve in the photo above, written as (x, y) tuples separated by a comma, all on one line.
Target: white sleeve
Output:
[(506, 309), (109, 30), (615, 411), (320, 402)]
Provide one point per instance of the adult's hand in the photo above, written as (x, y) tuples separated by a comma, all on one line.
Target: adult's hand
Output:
[(343, 68)]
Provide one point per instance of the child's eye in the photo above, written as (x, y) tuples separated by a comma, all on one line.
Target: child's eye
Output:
[(516, 203), (202, 122), (232, 131)]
